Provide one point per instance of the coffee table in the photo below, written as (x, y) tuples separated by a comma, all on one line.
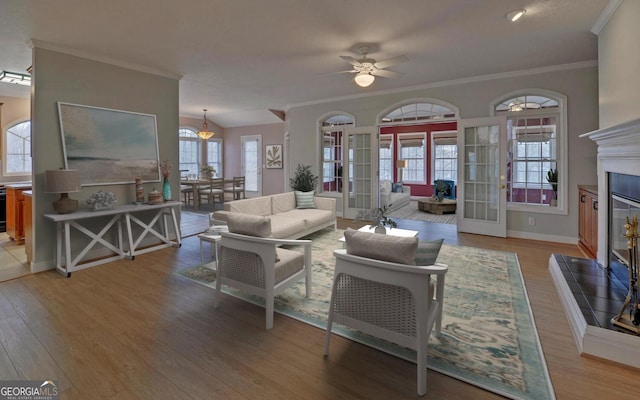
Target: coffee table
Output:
[(435, 206), (390, 231)]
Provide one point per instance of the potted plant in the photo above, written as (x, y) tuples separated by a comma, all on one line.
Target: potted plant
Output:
[(304, 180), (441, 189), (379, 218), (552, 178), (207, 171)]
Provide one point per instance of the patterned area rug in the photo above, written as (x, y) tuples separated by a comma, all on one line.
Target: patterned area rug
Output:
[(488, 336), (410, 211)]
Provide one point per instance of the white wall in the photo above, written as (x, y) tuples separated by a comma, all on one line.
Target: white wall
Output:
[(619, 63), (473, 99), (61, 77)]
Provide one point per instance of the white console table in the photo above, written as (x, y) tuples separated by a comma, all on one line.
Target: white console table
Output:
[(157, 227)]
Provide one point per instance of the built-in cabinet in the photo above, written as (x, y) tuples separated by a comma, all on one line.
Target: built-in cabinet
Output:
[(15, 211), (588, 219)]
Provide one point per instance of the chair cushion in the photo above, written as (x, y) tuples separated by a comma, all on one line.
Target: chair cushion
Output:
[(427, 251), (305, 199), (288, 262), (251, 225), (389, 248)]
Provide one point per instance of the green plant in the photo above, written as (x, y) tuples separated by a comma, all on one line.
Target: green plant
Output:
[(304, 180), (552, 178), (441, 186), (377, 216), (207, 170)]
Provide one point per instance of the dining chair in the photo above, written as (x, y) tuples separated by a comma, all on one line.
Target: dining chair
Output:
[(215, 190), (236, 188), (185, 190)]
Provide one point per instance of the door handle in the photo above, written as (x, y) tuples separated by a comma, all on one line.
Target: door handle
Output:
[(503, 186)]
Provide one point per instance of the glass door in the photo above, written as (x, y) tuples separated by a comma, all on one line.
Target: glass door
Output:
[(251, 165), (360, 178), (482, 195)]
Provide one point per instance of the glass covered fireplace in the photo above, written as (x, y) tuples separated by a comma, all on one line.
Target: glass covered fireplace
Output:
[(624, 203)]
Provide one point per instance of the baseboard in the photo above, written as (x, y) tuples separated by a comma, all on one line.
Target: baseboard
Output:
[(544, 237)]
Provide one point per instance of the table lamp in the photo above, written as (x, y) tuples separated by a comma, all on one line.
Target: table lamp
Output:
[(401, 164), (63, 181)]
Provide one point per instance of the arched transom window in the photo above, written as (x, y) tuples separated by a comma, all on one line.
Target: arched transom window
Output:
[(18, 149), (419, 112)]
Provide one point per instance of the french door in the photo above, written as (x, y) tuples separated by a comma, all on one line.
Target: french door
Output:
[(482, 161), (360, 152), (251, 161)]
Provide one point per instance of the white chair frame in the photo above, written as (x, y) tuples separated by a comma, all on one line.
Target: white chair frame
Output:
[(384, 279), (265, 248)]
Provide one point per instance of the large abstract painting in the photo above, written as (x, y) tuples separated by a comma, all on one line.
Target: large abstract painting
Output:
[(109, 146)]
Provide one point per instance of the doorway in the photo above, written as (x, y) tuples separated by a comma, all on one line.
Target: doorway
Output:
[(251, 164)]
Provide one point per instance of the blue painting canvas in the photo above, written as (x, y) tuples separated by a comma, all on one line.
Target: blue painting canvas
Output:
[(109, 146)]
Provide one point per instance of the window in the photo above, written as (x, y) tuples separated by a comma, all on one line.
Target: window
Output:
[(189, 152), (214, 155), (535, 145), (419, 112), (332, 131), (18, 149), (445, 156), (386, 157), (411, 147)]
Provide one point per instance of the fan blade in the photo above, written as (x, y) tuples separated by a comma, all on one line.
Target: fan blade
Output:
[(386, 74), (391, 61), (350, 60), (350, 71)]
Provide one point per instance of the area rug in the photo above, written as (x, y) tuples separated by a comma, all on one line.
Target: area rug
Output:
[(488, 336), (410, 211)]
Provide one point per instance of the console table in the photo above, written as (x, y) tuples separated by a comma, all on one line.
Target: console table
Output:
[(79, 220)]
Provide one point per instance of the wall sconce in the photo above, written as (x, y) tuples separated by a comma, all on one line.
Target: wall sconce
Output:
[(205, 134), (63, 181)]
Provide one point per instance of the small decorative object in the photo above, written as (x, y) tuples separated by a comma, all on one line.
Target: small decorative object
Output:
[(378, 217), (166, 187), (139, 190), (441, 189), (102, 200), (155, 197), (208, 171), (552, 178), (274, 156), (304, 180)]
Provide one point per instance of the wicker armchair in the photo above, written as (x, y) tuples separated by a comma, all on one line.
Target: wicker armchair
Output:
[(258, 266), (396, 302)]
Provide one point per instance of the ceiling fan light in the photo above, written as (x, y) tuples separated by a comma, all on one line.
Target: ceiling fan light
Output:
[(364, 79), (515, 15)]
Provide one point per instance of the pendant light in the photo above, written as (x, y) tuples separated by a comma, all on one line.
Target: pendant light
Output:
[(205, 134)]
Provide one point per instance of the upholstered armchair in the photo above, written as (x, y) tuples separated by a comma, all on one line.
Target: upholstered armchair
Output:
[(258, 265), (395, 301)]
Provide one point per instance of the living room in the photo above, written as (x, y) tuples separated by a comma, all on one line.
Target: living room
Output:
[(71, 77)]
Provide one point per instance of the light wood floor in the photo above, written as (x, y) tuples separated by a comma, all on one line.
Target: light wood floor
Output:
[(134, 330)]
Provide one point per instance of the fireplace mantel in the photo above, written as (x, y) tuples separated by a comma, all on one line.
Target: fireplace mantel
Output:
[(619, 152)]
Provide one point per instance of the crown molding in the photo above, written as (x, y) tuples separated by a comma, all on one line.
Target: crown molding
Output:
[(453, 82), (40, 44), (607, 13)]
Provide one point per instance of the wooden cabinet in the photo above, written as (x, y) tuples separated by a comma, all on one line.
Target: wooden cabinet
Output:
[(588, 220), (28, 225), (15, 212)]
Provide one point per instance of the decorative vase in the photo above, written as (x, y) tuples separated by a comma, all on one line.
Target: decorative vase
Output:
[(166, 190), (440, 196), (380, 229)]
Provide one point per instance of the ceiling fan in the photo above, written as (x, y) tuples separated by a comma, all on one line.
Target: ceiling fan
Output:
[(366, 69)]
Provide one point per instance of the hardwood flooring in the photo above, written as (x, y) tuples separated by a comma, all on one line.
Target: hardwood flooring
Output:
[(134, 330)]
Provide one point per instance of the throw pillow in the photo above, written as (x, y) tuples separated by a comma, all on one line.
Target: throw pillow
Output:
[(389, 248), (397, 187), (305, 199), (251, 225), (385, 186), (427, 251)]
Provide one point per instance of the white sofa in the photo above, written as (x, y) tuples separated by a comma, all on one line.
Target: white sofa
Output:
[(395, 199), (287, 221)]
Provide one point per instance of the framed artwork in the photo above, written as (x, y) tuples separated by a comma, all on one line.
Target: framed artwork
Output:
[(109, 146), (274, 155)]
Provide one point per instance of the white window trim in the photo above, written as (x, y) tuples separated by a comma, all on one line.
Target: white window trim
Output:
[(424, 154), (321, 130), (5, 131), (434, 136), (562, 207)]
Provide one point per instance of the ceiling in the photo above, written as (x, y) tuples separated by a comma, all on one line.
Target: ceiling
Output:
[(241, 58)]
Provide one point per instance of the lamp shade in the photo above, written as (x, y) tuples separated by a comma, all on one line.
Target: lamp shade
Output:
[(205, 134), (364, 79), (401, 163), (61, 181)]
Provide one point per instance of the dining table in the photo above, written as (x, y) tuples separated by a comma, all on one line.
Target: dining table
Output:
[(195, 186)]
